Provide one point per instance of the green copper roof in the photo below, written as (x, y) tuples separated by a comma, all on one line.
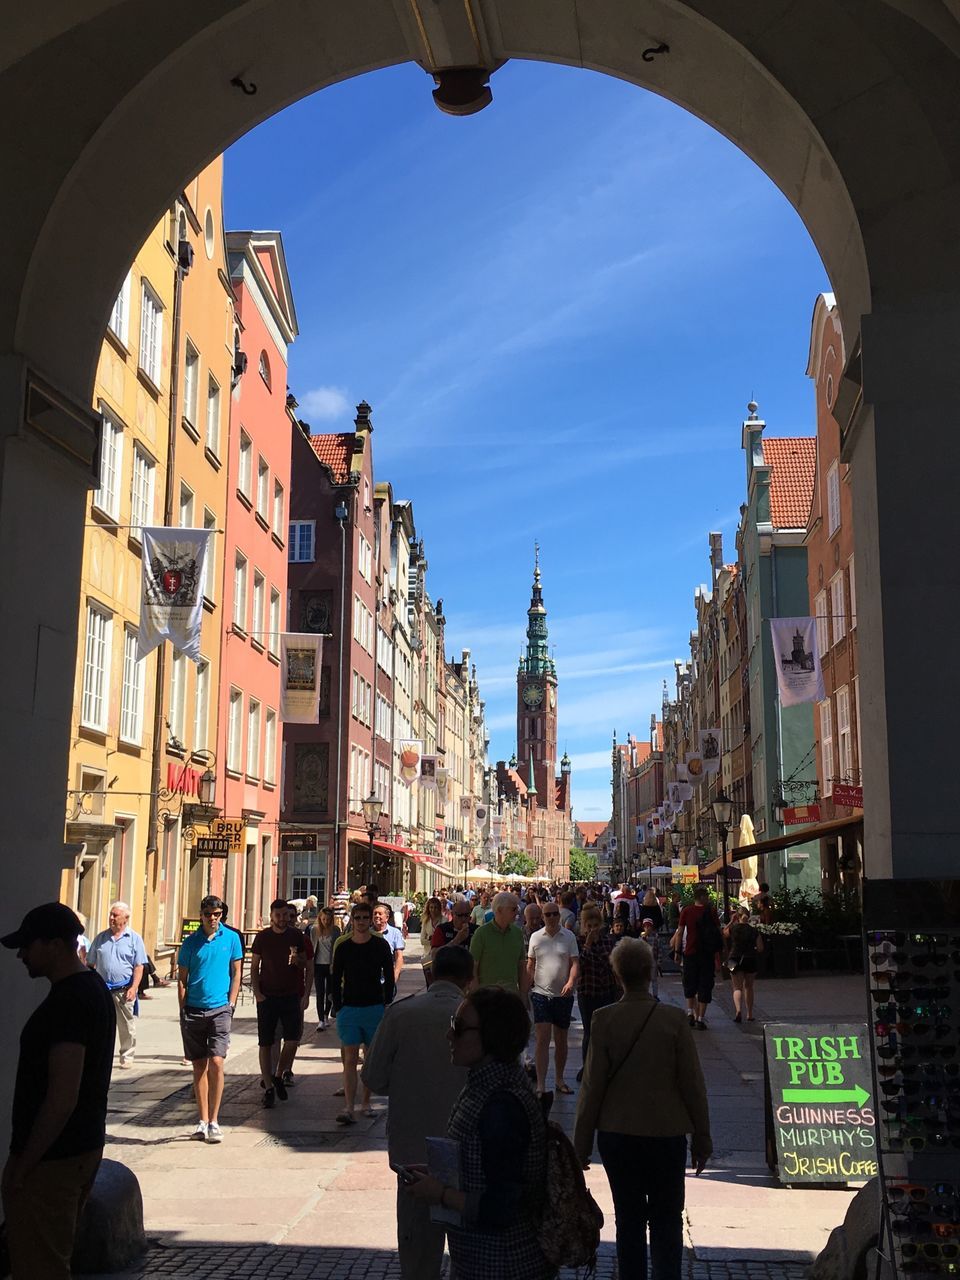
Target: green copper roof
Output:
[(537, 661), (531, 784)]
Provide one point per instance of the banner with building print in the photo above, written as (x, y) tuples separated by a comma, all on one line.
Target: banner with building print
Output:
[(428, 772), (410, 752), (300, 666), (799, 675), (710, 750), (171, 608)]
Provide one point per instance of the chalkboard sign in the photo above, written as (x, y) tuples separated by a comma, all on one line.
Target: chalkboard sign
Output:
[(188, 926), (821, 1121)]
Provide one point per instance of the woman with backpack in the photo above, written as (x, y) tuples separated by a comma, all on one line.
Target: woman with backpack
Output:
[(501, 1135), (643, 1092)]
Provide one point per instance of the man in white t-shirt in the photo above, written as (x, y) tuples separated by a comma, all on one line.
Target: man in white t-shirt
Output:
[(553, 964)]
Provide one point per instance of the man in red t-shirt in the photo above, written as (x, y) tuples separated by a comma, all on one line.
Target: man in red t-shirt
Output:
[(699, 954), (277, 972)]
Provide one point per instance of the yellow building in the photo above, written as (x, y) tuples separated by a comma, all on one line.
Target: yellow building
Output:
[(205, 330), (111, 742)]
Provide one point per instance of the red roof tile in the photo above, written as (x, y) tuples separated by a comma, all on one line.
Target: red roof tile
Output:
[(592, 830), (793, 460), (335, 452)]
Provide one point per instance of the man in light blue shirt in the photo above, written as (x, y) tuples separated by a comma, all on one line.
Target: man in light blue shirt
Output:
[(118, 955), (209, 968)]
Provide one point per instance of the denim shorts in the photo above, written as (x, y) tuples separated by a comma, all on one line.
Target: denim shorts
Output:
[(357, 1024), (557, 1010)]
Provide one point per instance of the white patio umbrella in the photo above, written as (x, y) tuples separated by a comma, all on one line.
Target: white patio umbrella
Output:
[(481, 873)]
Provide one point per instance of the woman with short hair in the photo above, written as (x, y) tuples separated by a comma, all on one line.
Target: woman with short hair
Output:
[(643, 1092), (501, 1134)]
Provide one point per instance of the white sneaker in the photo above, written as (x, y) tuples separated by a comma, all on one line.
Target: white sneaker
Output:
[(214, 1132), (200, 1132)]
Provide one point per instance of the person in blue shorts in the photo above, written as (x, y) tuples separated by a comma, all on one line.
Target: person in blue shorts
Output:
[(362, 986), (209, 966)]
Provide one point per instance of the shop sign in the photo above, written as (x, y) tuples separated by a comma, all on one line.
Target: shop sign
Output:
[(820, 1119), (188, 926), (798, 814), (211, 846), (298, 842), (847, 797)]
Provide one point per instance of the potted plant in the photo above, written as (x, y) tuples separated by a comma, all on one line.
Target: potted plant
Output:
[(780, 943)]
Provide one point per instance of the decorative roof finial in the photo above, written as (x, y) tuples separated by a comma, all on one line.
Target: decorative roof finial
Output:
[(536, 563)]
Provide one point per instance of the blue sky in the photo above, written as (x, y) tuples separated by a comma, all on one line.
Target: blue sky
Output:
[(558, 310)]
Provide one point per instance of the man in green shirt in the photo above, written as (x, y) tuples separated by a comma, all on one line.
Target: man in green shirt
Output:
[(498, 948)]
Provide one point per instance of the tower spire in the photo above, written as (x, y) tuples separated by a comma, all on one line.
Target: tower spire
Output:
[(537, 661)]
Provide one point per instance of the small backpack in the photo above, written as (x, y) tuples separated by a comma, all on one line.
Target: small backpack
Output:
[(569, 1232), (709, 939)]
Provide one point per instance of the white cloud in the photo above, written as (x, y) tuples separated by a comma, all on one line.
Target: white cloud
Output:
[(325, 403), (592, 761)]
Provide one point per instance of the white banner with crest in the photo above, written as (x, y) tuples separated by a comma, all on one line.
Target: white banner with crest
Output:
[(171, 608), (799, 676), (300, 665)]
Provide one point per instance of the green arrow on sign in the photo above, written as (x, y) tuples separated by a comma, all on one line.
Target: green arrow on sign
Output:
[(857, 1095)]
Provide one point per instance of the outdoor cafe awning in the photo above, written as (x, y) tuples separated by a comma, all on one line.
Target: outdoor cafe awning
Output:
[(800, 835), (413, 854)]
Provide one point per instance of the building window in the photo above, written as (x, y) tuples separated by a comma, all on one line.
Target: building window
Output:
[(151, 334), (253, 738), (240, 592), (131, 694), (270, 747), (273, 639), (856, 712), (245, 475), (365, 557), (201, 706), (851, 577), (278, 508), (119, 321), (265, 369), (833, 499), (107, 496), (823, 630), (186, 506), (96, 669), (178, 699), (210, 564), (234, 731), (213, 417), (301, 541), (191, 383), (259, 591), (141, 491), (263, 489), (826, 746), (844, 735), (838, 607)]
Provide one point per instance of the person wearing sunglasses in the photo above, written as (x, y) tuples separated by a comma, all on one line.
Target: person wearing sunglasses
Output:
[(458, 931), (209, 965)]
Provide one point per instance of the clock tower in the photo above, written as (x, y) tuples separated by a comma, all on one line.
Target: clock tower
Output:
[(537, 696)]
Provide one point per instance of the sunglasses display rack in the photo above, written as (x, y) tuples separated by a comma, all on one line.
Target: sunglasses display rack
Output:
[(912, 954)]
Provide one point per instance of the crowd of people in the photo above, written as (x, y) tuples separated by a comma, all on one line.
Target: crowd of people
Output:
[(465, 1064)]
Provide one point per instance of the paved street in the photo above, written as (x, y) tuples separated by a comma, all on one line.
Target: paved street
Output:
[(289, 1194)]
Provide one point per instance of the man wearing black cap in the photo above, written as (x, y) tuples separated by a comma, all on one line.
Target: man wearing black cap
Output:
[(60, 1096)]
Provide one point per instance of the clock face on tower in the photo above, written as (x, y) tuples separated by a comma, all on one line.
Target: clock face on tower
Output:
[(532, 695), (553, 699)]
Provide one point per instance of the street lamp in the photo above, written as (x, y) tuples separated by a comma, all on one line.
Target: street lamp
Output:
[(723, 812), (372, 808), (676, 839), (779, 808)]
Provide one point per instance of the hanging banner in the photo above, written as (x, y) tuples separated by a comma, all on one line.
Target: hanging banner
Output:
[(428, 771), (443, 784), (673, 794), (171, 608), (686, 792), (710, 750), (799, 677), (466, 805), (695, 769), (682, 774), (410, 751), (300, 656)]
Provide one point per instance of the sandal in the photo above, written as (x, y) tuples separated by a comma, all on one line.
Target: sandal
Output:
[(339, 1093), (563, 1087), (369, 1113), (345, 1117)]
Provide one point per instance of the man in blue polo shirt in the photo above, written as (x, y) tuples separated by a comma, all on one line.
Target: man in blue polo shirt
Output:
[(209, 967), (118, 955)]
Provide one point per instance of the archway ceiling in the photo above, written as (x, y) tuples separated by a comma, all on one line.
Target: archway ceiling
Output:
[(850, 106)]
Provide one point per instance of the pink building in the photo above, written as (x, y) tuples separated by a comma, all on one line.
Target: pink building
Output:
[(255, 574)]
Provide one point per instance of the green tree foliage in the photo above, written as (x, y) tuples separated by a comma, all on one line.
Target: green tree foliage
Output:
[(515, 860), (583, 865)]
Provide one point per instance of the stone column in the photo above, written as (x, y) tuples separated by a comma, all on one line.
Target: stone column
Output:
[(48, 447), (904, 447)]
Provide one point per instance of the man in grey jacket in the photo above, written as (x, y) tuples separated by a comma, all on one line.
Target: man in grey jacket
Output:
[(409, 1062)]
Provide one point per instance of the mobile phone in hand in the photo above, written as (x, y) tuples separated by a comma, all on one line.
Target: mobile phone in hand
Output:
[(404, 1174)]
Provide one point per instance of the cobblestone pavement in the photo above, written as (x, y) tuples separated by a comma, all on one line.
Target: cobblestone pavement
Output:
[(283, 1263), (291, 1195)]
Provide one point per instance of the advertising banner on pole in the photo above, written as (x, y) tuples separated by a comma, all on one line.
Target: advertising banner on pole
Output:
[(410, 751), (171, 607), (710, 750), (300, 658), (799, 676), (428, 771)]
